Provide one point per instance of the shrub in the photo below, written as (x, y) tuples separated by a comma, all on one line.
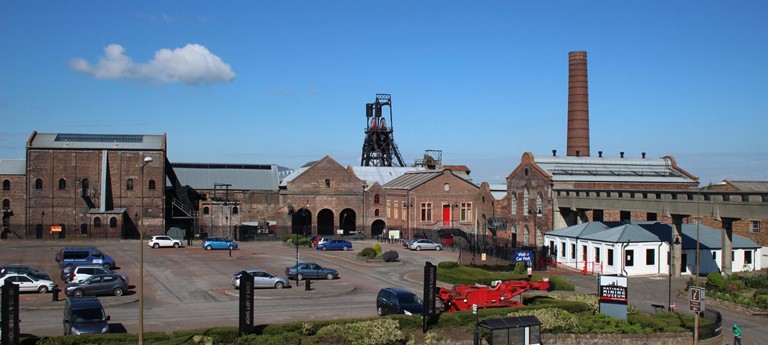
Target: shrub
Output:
[(520, 268), (390, 256), (715, 281), (552, 319), (561, 284), (369, 253), (377, 247), (446, 265), (381, 331)]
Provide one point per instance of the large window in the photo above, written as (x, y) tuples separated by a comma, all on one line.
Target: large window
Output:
[(513, 203), (650, 257), (526, 207), (426, 211), (466, 212)]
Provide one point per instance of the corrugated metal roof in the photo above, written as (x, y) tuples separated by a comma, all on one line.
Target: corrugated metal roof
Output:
[(750, 186), (412, 180), (13, 167), (381, 175), (240, 176), (594, 169), (97, 141), (284, 181), (498, 190)]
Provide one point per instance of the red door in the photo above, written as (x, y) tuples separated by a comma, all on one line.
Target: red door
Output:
[(446, 215)]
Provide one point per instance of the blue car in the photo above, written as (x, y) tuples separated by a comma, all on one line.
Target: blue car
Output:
[(335, 245), (216, 242)]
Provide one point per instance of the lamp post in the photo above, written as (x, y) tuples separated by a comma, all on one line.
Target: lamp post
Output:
[(675, 241), (147, 160)]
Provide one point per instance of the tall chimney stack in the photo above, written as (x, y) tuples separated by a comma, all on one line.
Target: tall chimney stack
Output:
[(578, 105)]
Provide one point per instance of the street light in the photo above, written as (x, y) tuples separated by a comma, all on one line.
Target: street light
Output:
[(675, 241), (147, 160)]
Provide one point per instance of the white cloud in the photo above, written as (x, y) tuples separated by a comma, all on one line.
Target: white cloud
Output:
[(192, 64)]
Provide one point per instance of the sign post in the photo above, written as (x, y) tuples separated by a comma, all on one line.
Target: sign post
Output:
[(696, 298), (430, 292), (246, 303), (613, 294)]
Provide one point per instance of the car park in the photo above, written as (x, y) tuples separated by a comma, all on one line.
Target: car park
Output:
[(163, 241), (85, 315), (335, 245), (100, 284), (23, 269), (27, 283), (217, 242), (80, 273), (310, 270), (83, 256), (425, 244), (398, 301), (261, 279)]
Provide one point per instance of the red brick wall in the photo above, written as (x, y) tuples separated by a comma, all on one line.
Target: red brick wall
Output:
[(16, 197)]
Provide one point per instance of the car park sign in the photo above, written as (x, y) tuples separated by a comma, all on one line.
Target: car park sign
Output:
[(523, 256)]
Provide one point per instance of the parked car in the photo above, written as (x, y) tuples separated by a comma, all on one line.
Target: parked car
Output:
[(80, 273), (317, 240), (23, 269), (163, 241), (84, 256), (262, 279), (27, 283), (310, 270), (216, 242), (335, 245), (425, 244), (100, 284), (398, 301), (85, 315)]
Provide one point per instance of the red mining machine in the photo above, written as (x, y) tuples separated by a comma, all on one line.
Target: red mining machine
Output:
[(498, 294)]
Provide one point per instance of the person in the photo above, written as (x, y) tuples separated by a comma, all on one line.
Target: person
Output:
[(736, 334)]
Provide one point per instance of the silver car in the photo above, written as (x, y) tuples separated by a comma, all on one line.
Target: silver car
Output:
[(261, 279), (425, 244), (27, 283)]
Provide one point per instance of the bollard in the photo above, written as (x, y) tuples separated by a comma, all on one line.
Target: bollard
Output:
[(55, 294), (230, 252), (307, 284)]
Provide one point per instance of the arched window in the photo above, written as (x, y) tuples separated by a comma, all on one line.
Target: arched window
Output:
[(539, 237), (151, 184), (6, 204), (526, 209), (62, 184), (446, 187), (376, 212), (327, 183), (84, 185), (129, 184), (376, 198), (539, 205), (6, 185), (113, 222), (526, 236), (206, 210), (97, 222), (234, 210), (39, 184), (513, 203)]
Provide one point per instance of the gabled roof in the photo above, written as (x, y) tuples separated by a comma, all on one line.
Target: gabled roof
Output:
[(414, 179), (625, 233), (603, 169), (579, 230), (13, 167), (709, 238), (749, 186), (381, 175), (239, 176), (96, 141)]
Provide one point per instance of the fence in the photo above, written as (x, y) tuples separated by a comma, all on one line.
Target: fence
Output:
[(575, 267), (713, 329)]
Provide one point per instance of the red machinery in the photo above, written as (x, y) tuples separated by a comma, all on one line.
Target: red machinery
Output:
[(499, 294)]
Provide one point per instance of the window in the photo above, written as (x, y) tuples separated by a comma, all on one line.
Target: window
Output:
[(526, 209), (610, 257), (562, 249), (466, 212), (62, 184), (630, 258), (39, 184), (6, 204), (426, 211), (446, 187), (113, 222), (714, 255), (235, 210), (6, 185), (650, 257), (376, 198), (539, 206), (526, 239), (206, 210), (84, 185), (376, 212), (129, 184), (625, 216), (513, 204), (755, 227), (97, 222), (389, 208), (539, 237), (573, 251), (327, 183), (151, 185), (597, 255), (747, 257)]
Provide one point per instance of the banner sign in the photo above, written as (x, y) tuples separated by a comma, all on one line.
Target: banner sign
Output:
[(523, 256), (246, 303), (430, 293), (9, 293)]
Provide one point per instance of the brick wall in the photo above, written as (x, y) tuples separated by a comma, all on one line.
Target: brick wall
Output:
[(15, 197)]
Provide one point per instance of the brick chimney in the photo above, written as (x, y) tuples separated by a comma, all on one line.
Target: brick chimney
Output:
[(578, 105)]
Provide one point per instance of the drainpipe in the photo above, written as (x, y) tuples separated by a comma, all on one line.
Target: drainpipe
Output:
[(658, 261), (623, 257)]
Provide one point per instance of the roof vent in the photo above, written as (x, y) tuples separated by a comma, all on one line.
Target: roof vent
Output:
[(621, 154), (643, 155), (554, 153), (600, 154)]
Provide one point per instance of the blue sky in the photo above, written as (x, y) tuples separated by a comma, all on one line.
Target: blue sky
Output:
[(286, 82)]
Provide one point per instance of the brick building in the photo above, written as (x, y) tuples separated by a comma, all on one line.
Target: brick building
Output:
[(749, 228), (94, 185), (14, 197)]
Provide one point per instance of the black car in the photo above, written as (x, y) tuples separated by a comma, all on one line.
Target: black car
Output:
[(398, 301), (23, 269)]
